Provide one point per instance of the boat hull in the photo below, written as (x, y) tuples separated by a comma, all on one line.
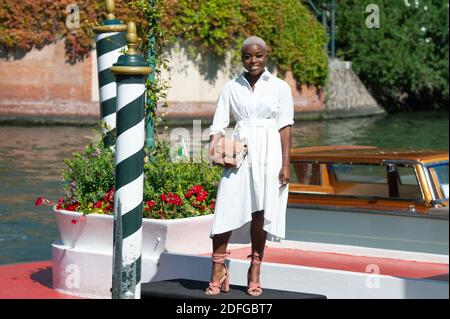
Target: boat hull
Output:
[(374, 229)]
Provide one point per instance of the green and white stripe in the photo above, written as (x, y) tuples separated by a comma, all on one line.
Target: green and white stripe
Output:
[(129, 160), (109, 46), (130, 72)]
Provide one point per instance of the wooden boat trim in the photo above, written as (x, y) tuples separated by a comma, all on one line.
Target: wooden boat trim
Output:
[(364, 154)]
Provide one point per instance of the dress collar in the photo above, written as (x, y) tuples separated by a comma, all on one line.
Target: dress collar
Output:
[(264, 76)]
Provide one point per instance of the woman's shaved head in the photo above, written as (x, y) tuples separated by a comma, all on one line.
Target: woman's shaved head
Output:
[(252, 41), (254, 56)]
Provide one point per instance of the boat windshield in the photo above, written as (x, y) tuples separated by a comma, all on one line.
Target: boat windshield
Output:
[(439, 174)]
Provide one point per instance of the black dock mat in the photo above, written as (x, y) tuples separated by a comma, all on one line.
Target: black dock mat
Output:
[(193, 289)]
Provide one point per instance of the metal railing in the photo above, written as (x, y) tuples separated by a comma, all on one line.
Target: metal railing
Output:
[(325, 12)]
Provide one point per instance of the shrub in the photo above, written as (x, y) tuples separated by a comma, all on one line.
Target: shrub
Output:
[(89, 179), (405, 61), (171, 189), (195, 183)]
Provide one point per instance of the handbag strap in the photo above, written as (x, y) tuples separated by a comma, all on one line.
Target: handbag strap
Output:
[(234, 153), (223, 147)]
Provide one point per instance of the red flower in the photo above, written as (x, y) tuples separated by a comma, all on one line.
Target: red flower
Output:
[(38, 202), (201, 197), (212, 205), (74, 221), (109, 197), (73, 207), (199, 191), (150, 204), (172, 199), (60, 203), (99, 204)]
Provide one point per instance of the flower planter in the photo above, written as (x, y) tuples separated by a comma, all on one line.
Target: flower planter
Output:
[(95, 233)]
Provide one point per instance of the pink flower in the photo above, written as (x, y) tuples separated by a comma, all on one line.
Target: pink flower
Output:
[(82, 218)]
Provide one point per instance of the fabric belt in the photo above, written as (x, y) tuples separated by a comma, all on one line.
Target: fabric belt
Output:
[(257, 122)]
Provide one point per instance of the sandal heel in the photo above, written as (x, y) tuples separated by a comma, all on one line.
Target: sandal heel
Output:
[(226, 283)]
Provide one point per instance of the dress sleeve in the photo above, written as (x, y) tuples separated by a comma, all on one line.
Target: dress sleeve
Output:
[(286, 114), (222, 113)]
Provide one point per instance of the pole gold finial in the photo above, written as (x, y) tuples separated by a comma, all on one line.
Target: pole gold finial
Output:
[(132, 38), (110, 7)]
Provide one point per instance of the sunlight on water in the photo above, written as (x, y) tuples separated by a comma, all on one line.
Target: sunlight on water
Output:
[(31, 161)]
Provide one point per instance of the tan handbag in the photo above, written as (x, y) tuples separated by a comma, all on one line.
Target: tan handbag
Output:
[(228, 151)]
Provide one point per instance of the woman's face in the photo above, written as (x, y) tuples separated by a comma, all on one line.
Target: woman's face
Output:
[(254, 59)]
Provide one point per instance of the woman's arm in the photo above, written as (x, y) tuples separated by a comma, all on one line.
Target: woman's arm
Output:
[(285, 172)]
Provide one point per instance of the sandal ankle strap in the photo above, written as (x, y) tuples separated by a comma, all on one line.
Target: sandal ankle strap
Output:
[(256, 258), (220, 258)]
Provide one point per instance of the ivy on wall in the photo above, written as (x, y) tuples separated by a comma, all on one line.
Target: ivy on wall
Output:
[(215, 27)]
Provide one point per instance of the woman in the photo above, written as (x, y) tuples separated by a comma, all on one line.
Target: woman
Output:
[(257, 191)]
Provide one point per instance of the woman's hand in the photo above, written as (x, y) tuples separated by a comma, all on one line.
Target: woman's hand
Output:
[(212, 143), (285, 175)]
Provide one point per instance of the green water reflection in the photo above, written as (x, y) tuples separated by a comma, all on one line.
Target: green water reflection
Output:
[(31, 161)]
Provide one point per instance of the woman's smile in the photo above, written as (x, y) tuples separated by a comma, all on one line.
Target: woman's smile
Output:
[(254, 59)]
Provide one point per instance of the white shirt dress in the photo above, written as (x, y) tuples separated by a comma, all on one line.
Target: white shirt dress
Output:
[(255, 185)]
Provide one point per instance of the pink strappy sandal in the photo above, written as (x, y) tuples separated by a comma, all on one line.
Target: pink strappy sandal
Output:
[(254, 289), (222, 285)]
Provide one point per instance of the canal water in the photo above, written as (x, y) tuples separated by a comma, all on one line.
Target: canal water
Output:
[(32, 159)]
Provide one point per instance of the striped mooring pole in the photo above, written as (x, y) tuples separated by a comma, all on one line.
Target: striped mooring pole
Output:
[(130, 72), (110, 41)]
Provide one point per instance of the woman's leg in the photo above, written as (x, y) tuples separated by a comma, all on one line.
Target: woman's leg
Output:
[(258, 236), (220, 243)]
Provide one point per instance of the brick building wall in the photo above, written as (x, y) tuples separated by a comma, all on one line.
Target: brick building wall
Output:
[(41, 84)]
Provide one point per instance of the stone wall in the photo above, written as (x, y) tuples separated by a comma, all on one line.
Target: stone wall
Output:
[(346, 95)]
